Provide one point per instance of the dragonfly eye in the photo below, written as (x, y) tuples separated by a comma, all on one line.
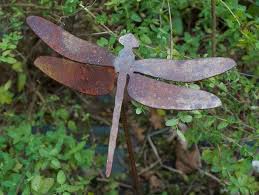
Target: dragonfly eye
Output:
[(129, 40)]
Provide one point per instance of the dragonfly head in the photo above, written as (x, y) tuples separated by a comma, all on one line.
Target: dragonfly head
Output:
[(129, 40)]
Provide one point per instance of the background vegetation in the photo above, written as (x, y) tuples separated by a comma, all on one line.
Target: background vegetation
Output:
[(52, 138)]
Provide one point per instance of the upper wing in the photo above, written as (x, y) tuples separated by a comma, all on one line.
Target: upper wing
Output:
[(158, 94), (88, 79), (68, 45), (184, 70)]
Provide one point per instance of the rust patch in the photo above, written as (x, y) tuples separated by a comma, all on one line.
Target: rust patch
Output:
[(68, 45), (88, 79), (157, 94), (184, 70)]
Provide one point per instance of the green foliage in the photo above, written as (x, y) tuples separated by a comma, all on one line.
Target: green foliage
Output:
[(5, 94), (236, 172), (139, 108), (40, 162), (70, 6), (8, 47)]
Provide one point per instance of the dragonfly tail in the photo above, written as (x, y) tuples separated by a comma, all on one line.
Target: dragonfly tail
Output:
[(121, 83)]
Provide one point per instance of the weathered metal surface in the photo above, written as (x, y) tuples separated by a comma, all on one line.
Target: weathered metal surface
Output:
[(157, 94), (184, 70), (88, 79), (121, 83), (126, 58), (68, 45), (123, 64), (99, 80)]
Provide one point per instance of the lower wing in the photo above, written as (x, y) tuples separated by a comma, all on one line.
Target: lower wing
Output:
[(184, 70), (88, 79), (158, 94)]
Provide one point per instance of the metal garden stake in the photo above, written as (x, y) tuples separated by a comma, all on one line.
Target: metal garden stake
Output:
[(93, 71)]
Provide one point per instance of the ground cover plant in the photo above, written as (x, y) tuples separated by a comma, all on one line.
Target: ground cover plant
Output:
[(48, 144)]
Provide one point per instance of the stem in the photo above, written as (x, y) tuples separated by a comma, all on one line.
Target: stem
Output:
[(236, 18), (171, 30), (214, 26), (130, 149), (93, 16)]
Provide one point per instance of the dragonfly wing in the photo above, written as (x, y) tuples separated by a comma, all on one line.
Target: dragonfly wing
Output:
[(88, 79), (158, 94), (184, 70), (68, 45)]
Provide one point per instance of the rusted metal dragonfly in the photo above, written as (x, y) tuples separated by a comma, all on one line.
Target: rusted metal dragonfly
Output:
[(93, 72)]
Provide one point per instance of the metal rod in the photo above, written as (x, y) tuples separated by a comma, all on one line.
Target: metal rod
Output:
[(121, 83), (214, 26), (130, 149)]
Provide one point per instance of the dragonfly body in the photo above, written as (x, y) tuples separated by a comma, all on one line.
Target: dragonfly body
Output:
[(81, 74), (124, 66), (121, 83), (125, 60)]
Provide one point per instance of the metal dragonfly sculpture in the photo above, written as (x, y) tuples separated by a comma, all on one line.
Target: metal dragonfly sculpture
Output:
[(93, 70)]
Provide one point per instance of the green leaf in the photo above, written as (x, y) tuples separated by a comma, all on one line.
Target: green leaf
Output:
[(135, 17), (71, 188), (138, 110), (177, 25), (71, 125), (46, 184), (70, 6), (61, 177), (7, 85), (223, 87), (17, 67), (9, 60), (161, 112), (6, 53), (5, 95), (207, 155), (89, 157), (17, 167), (172, 122), (26, 190), (78, 157), (35, 183), (101, 19), (55, 163), (21, 81), (145, 39), (78, 147), (181, 135), (222, 125), (186, 118), (62, 113), (102, 42), (194, 86)]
